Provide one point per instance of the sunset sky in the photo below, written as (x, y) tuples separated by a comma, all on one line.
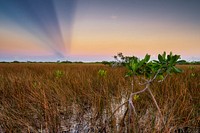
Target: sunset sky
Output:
[(96, 30)]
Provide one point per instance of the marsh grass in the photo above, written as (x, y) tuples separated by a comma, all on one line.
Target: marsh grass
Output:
[(34, 99)]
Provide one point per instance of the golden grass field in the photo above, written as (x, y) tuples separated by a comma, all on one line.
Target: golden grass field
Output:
[(35, 98)]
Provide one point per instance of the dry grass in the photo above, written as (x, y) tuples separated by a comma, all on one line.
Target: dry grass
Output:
[(35, 99)]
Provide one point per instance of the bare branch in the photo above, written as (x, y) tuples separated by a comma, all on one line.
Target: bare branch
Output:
[(131, 104), (117, 109), (155, 76), (155, 102)]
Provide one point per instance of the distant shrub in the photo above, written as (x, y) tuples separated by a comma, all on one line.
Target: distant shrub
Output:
[(15, 62)]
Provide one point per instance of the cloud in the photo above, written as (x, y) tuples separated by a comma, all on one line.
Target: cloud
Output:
[(114, 17)]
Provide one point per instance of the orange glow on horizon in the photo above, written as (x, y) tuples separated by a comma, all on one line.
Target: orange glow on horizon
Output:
[(20, 43)]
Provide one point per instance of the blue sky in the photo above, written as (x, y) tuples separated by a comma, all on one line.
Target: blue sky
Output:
[(95, 30)]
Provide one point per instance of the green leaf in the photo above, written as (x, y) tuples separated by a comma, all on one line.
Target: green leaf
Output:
[(176, 57), (59, 73), (160, 58), (141, 63), (171, 53), (161, 77), (164, 64), (136, 97), (128, 66), (134, 66), (155, 61), (164, 55), (177, 70), (147, 57), (169, 57), (172, 61), (193, 75), (129, 74), (169, 70), (102, 73)]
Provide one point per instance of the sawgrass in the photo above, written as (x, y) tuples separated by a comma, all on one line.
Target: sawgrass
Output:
[(55, 97)]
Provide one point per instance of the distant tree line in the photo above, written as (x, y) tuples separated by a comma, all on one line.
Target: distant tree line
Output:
[(192, 63), (41, 61), (120, 60)]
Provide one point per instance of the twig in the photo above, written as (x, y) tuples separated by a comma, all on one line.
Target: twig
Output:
[(107, 121), (155, 76), (117, 109), (155, 102), (131, 103), (123, 120)]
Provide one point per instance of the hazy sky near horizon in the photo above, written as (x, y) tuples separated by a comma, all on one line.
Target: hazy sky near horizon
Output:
[(91, 30)]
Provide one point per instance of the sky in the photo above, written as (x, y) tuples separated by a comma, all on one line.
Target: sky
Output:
[(96, 30)]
